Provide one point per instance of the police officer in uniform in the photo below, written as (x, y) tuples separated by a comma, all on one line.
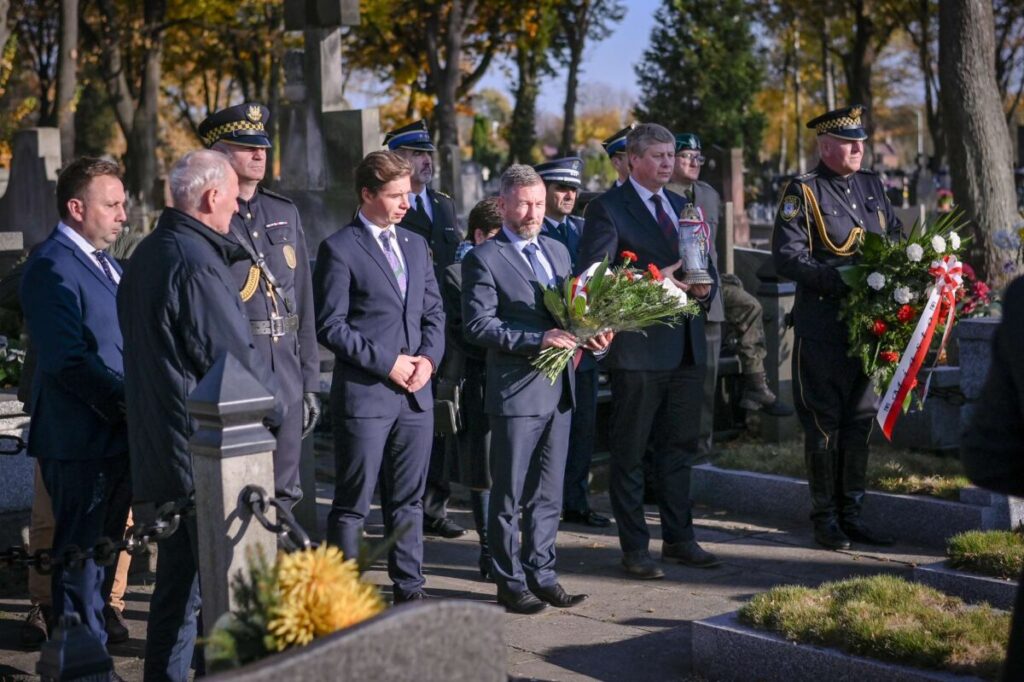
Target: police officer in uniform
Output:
[(818, 227), (274, 283), (562, 181), (431, 215), (615, 147)]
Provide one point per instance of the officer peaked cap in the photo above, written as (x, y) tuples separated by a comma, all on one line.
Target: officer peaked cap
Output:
[(843, 123), (617, 142), (242, 124), (413, 136), (567, 171)]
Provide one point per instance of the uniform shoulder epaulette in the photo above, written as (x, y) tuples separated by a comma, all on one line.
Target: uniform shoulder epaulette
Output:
[(441, 194), (701, 183), (809, 175), (868, 171), (275, 195)]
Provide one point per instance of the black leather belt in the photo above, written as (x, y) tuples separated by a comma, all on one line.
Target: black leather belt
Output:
[(275, 326)]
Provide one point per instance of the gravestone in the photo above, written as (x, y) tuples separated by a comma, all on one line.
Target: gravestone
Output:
[(321, 140), (29, 205)]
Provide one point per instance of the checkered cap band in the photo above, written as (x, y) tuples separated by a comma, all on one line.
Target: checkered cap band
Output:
[(253, 127)]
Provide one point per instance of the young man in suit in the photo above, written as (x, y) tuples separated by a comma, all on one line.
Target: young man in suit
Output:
[(431, 215), (563, 179), (656, 378), (78, 431), (379, 311), (503, 311)]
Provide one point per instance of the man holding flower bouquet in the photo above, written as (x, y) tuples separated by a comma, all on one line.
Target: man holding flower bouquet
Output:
[(503, 311), (818, 228), (656, 376)]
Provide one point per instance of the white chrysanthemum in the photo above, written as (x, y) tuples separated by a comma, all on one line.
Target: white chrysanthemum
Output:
[(939, 244), (954, 240), (876, 281), (915, 253), (902, 295)]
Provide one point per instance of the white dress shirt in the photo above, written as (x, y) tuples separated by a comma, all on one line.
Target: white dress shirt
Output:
[(89, 250)]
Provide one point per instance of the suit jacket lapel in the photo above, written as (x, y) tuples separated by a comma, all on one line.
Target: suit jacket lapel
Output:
[(87, 262), (516, 260), (645, 220), (365, 239)]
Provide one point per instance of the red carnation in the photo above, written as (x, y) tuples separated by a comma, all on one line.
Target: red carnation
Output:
[(981, 290), (968, 272), (878, 328), (889, 355), (629, 257), (655, 272), (905, 314)]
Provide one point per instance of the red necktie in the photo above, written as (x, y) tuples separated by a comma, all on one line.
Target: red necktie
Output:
[(664, 222)]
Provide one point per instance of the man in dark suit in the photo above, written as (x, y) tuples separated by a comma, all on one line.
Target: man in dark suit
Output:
[(431, 215), (274, 283), (78, 431), (503, 311), (656, 378), (379, 311), (562, 181)]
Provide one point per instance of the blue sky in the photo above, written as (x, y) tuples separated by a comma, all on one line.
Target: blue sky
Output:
[(611, 61)]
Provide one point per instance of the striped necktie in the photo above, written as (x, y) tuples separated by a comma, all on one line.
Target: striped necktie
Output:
[(103, 259), (396, 265)]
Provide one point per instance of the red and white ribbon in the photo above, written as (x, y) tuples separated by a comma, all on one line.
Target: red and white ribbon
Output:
[(948, 278), (579, 288)]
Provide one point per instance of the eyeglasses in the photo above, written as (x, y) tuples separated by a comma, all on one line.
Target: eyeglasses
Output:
[(692, 158)]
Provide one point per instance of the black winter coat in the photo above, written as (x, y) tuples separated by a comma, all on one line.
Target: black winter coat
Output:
[(179, 310)]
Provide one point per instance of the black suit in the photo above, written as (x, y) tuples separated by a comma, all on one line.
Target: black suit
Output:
[(656, 378), (503, 311)]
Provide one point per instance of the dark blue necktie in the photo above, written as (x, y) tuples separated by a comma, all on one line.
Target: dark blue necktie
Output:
[(538, 268), (101, 257)]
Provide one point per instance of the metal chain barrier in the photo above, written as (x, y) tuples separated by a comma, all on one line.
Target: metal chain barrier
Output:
[(105, 552), (290, 534)]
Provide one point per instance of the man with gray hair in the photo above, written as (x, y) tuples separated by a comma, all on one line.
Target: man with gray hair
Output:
[(179, 311), (657, 376), (503, 311)]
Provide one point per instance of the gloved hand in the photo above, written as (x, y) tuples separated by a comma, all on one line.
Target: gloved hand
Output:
[(310, 413)]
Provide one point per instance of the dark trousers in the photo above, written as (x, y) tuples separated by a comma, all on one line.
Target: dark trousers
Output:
[(527, 469), (173, 623), (581, 442), (713, 339), (90, 500), (438, 489), (662, 407), (288, 455), (835, 404), (397, 450)]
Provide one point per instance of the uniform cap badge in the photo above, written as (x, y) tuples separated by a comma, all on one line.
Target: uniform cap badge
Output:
[(254, 114)]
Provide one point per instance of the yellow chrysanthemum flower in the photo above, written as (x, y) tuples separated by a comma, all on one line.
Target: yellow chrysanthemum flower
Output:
[(320, 593)]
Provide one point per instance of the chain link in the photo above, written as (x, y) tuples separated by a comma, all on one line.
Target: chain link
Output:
[(290, 534), (105, 552)]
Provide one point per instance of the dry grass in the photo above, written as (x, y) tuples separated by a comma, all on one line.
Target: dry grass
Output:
[(890, 470), (996, 553), (889, 619)]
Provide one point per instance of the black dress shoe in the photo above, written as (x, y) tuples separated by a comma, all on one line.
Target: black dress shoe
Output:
[(858, 531), (586, 518), (828, 534), (689, 553), (400, 598), (523, 602), (445, 528), (34, 629), (115, 625), (486, 565), (558, 597), (641, 566)]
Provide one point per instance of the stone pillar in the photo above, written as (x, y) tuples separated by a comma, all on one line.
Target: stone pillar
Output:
[(732, 191), (974, 336), (230, 450), (777, 300)]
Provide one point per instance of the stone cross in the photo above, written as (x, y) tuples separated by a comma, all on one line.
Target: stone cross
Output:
[(321, 141)]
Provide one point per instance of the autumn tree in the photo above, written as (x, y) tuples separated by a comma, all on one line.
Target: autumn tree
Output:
[(580, 23), (531, 38), (979, 147), (701, 72)]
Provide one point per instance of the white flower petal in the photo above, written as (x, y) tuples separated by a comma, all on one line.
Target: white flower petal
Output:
[(876, 281)]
